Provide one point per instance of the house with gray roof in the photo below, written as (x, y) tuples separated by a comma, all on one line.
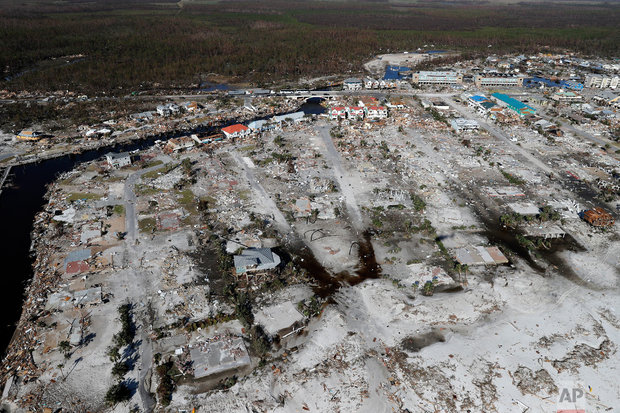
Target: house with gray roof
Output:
[(255, 259), (118, 160), (289, 117)]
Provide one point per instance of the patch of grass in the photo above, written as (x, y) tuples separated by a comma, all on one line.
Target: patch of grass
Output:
[(160, 171), (108, 179), (152, 163), (244, 195), (512, 179), (146, 190), (187, 198), (418, 202), (119, 209), (247, 148), (147, 225), (74, 196)]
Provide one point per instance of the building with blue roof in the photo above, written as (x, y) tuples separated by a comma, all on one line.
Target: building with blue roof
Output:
[(513, 104), (538, 81), (567, 84), (478, 98), (571, 84)]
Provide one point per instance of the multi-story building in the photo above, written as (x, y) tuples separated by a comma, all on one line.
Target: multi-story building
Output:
[(498, 79), (118, 160), (376, 112), (602, 82), (338, 112), (370, 83), (437, 78), (236, 131), (355, 112)]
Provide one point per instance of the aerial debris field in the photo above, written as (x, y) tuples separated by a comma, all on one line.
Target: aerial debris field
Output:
[(377, 255)]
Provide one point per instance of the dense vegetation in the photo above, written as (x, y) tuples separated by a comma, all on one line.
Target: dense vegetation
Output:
[(107, 45)]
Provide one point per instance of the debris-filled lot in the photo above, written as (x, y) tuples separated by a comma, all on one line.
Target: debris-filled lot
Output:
[(328, 262)]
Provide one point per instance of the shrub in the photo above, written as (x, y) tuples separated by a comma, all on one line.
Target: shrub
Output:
[(119, 369), (127, 333), (418, 203), (259, 341), (113, 354), (429, 288), (167, 382), (118, 393), (243, 309)]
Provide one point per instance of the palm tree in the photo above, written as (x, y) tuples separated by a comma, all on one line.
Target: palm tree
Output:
[(65, 347)]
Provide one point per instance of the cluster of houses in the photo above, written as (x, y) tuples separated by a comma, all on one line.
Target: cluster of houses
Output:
[(368, 108), (394, 77), (166, 110), (602, 81), (240, 131), (172, 108)]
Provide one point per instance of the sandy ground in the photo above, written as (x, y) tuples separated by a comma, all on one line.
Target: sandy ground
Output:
[(377, 65)]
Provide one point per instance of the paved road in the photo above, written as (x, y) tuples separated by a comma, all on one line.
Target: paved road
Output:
[(501, 135), (567, 126), (140, 278), (330, 93), (9, 154), (343, 178), (264, 199), (131, 221), (146, 359)]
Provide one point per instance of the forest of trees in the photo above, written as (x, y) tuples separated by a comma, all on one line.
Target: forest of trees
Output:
[(144, 45)]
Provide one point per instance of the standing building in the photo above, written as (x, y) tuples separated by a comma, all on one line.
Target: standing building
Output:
[(602, 82), (352, 83), (294, 117), (236, 131), (513, 104), (370, 83), (376, 112), (118, 160), (605, 97), (566, 96), (498, 79), (464, 125), (179, 144), (437, 78), (28, 135), (355, 112), (255, 259), (337, 112)]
